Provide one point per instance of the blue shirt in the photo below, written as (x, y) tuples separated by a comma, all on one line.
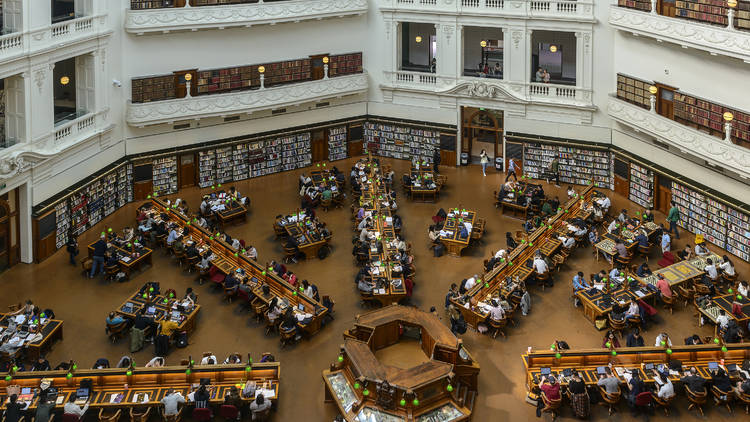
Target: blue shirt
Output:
[(642, 240), (665, 240), (116, 320), (579, 283)]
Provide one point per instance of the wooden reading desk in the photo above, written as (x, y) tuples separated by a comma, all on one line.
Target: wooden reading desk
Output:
[(50, 329), (160, 308), (299, 227), (607, 245), (726, 302), (130, 256), (598, 304), (450, 235), (679, 272), (423, 184), (524, 189)]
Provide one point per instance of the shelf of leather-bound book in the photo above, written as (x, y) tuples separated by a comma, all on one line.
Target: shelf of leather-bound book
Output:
[(228, 261), (113, 387)]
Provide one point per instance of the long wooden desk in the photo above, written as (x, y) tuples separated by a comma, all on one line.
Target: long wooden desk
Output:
[(423, 185), (133, 383), (162, 308), (524, 189), (725, 302), (361, 385), (450, 235), (598, 304), (51, 330), (606, 246), (256, 275), (308, 240), (325, 178), (680, 272), (129, 258), (390, 284), (492, 283), (586, 361)]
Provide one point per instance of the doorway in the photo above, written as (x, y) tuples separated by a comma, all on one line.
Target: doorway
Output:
[(666, 8), (319, 146), (665, 103), (482, 129), (180, 83), (316, 67), (187, 170), (10, 250)]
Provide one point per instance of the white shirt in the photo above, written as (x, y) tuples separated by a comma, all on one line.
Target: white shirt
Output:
[(659, 339), (633, 310), (205, 359), (604, 203), (666, 390), (742, 290), (711, 271), (497, 312), (701, 251), (569, 242), (252, 253), (501, 253), (363, 235), (540, 266), (362, 224), (722, 320), (612, 226), (727, 267), (470, 283), (74, 409)]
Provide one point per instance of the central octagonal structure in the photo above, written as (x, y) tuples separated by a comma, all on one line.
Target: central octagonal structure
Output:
[(366, 390)]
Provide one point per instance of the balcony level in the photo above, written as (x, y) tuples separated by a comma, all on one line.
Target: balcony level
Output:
[(240, 14), (721, 37), (569, 10)]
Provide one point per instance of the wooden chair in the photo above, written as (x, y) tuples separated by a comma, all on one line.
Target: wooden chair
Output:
[(116, 331), (551, 406), (177, 417), (697, 400), (261, 416), (622, 260), (287, 336), (701, 289), (644, 251), (325, 204), (634, 322), (230, 293), (259, 308), (611, 400), (279, 231), (86, 264), (290, 253), (498, 326), (543, 278), (68, 417), (139, 415), (617, 325), (668, 303), (744, 398), (105, 416), (729, 279), (111, 271), (180, 256), (723, 398), (665, 404), (271, 326), (192, 262), (685, 294)]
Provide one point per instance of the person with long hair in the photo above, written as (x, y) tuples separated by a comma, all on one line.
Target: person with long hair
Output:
[(484, 160)]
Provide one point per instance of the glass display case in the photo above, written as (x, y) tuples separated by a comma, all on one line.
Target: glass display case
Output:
[(368, 414), (447, 412), (342, 390)]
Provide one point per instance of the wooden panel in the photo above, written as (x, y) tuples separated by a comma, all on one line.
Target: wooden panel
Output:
[(448, 158), (141, 190), (355, 148), (622, 186)]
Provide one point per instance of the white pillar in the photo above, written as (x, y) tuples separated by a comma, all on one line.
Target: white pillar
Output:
[(25, 237), (652, 99), (728, 132), (461, 58), (41, 101), (262, 82), (730, 18), (325, 70), (653, 7), (38, 14)]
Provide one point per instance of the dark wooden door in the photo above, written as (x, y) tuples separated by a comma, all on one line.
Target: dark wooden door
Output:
[(354, 148), (316, 66), (666, 7), (665, 101), (141, 190), (319, 146), (187, 170), (5, 234), (622, 186), (180, 83), (663, 193)]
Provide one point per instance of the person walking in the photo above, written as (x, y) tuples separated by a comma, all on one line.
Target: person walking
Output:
[(436, 160), (483, 160), (553, 168), (72, 248), (512, 167), (673, 217)]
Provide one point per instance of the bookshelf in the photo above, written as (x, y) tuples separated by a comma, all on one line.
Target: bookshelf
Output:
[(641, 186), (124, 185), (708, 117), (273, 155), (738, 234), (742, 15), (62, 220), (95, 196), (256, 156), (165, 175), (344, 64), (109, 192), (206, 168), (240, 163), (288, 72), (700, 215), (79, 216), (152, 88), (402, 142), (198, 3), (423, 144), (150, 4), (227, 79), (295, 151), (711, 11), (635, 4), (337, 149), (224, 164), (578, 166), (537, 158), (634, 90)]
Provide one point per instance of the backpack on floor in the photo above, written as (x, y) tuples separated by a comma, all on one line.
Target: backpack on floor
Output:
[(161, 345), (182, 339), (439, 250)]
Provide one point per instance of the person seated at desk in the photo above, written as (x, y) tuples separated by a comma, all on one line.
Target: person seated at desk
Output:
[(142, 322), (663, 340), (192, 250), (146, 223), (365, 235), (701, 249), (127, 234), (259, 406), (547, 209), (665, 290), (568, 242), (727, 267), (433, 234), (614, 274), (648, 215), (608, 380), (721, 382), (71, 408), (510, 242), (580, 229), (695, 382), (291, 278), (528, 226), (114, 319), (173, 235), (579, 283), (706, 281), (551, 389), (593, 236), (743, 385), (613, 226), (41, 364), (208, 360), (665, 388), (571, 192), (634, 311), (641, 238), (600, 277), (604, 202), (171, 401), (471, 282), (539, 264), (365, 286), (742, 288), (618, 312), (623, 216), (643, 270), (289, 322), (635, 339), (710, 270), (596, 212), (13, 409), (399, 243), (111, 260), (692, 340)]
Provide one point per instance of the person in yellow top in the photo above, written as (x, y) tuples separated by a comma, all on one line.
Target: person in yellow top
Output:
[(169, 327)]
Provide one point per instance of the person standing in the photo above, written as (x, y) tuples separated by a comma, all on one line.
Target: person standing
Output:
[(554, 166), (436, 160), (100, 249), (512, 167), (72, 248), (673, 217), (483, 160)]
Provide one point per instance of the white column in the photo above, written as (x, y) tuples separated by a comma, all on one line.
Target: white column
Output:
[(86, 83), (38, 14), (397, 37), (41, 101), (730, 18), (506, 52), (25, 236), (439, 48), (653, 6), (460, 54), (15, 108), (517, 55)]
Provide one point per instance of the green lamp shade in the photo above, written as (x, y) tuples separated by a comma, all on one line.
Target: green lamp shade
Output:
[(612, 285), (341, 358), (669, 351), (415, 402), (739, 297), (531, 243), (109, 229), (8, 378), (608, 344), (235, 254), (449, 388), (402, 402), (15, 368), (730, 291), (557, 355), (148, 197), (192, 362), (264, 273), (188, 371), (145, 295), (614, 353), (75, 366), (219, 184), (510, 263), (69, 375), (166, 300), (104, 234), (716, 340), (356, 386), (42, 314), (366, 392), (171, 294), (150, 289), (248, 368), (294, 293), (724, 349), (486, 284), (663, 342), (129, 373)]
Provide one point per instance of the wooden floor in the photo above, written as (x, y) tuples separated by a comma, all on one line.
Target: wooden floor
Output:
[(223, 328)]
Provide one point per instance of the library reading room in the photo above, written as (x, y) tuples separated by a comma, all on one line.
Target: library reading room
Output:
[(437, 211)]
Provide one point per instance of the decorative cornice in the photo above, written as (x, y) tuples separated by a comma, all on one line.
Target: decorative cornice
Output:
[(244, 101), (490, 89), (714, 39), (686, 139), (548, 10), (189, 18)]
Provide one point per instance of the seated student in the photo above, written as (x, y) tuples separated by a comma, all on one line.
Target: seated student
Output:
[(208, 360), (41, 364), (555, 204), (643, 270), (608, 380), (613, 226), (111, 260), (597, 212), (579, 283), (610, 338), (289, 321), (685, 253), (722, 320), (231, 281), (71, 408), (497, 313), (634, 311), (743, 385), (604, 202), (593, 236), (663, 338), (580, 230), (721, 381), (695, 382), (173, 235), (701, 249), (510, 242), (471, 282), (641, 238), (192, 251), (568, 242), (710, 270), (528, 226), (547, 209), (205, 260), (726, 267), (191, 296), (114, 319), (623, 216), (648, 215), (742, 288), (663, 285), (732, 333), (665, 388), (571, 192), (621, 249), (366, 286), (13, 409), (600, 277), (635, 339), (259, 406), (706, 281), (551, 389), (692, 340), (171, 401)]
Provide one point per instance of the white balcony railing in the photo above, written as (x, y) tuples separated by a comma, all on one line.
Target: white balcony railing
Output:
[(714, 39), (74, 129), (239, 15), (498, 89), (204, 106), (581, 10), (21, 44), (715, 150)]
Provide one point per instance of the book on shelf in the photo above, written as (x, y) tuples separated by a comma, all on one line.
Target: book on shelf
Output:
[(165, 175), (641, 186), (240, 162), (401, 142), (206, 168), (224, 164), (337, 149)]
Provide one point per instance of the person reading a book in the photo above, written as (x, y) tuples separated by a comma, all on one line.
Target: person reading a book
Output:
[(71, 408), (171, 402)]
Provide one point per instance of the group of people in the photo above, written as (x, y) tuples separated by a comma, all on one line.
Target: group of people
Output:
[(542, 75), (311, 194)]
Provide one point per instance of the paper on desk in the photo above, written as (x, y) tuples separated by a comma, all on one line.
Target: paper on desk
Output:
[(144, 397), (267, 393), (126, 259)]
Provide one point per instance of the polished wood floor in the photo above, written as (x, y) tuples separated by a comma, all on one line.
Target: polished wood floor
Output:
[(225, 328)]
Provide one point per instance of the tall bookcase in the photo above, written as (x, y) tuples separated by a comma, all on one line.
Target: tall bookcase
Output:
[(701, 215), (152, 88), (240, 164), (256, 156), (273, 149), (579, 166), (206, 168), (423, 144), (537, 158), (402, 142), (295, 151), (641, 186), (337, 149), (79, 216), (634, 90), (742, 15), (165, 175), (224, 164), (635, 4), (738, 233), (62, 219), (709, 117)]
